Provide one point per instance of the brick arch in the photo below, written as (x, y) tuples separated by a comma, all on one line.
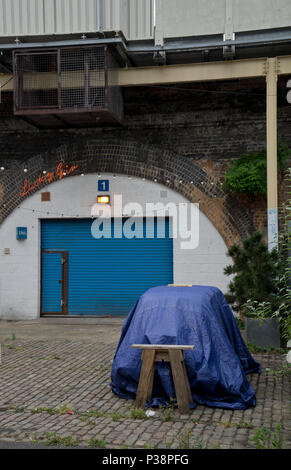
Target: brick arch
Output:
[(167, 168)]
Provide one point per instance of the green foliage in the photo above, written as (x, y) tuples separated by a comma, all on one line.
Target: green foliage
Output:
[(254, 348), (167, 412), (240, 323), (54, 439), (258, 310), (255, 273), (99, 443), (248, 174), (280, 307), (138, 413), (266, 439), (285, 370), (283, 311)]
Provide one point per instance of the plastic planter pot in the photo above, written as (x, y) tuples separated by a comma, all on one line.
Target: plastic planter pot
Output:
[(265, 333)]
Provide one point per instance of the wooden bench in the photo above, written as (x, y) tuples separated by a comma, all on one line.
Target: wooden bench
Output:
[(173, 354)]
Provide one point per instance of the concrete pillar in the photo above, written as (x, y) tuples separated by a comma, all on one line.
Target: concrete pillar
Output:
[(271, 120)]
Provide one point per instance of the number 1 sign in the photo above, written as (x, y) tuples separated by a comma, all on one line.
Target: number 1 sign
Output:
[(103, 185)]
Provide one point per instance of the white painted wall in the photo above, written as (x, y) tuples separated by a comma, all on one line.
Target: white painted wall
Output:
[(74, 197)]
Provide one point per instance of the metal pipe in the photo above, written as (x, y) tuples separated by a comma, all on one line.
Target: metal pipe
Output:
[(101, 16), (271, 126)]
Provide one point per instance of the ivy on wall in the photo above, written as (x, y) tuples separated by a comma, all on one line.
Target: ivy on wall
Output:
[(248, 174)]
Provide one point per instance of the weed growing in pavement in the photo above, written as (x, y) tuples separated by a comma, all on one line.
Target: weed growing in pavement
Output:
[(244, 425), (138, 413), (240, 425), (199, 443), (184, 440), (265, 439), (217, 446), (51, 411), (167, 412), (16, 409), (10, 346), (225, 424), (62, 409), (277, 437), (54, 439), (13, 337), (32, 439), (148, 446), (261, 438), (115, 416), (93, 413), (94, 442), (285, 369)]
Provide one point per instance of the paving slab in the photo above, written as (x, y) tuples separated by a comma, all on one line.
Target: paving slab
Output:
[(54, 389)]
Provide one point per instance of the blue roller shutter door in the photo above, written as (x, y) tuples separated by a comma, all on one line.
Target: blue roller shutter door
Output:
[(106, 276)]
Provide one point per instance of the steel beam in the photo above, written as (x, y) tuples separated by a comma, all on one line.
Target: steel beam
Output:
[(197, 72), (167, 74)]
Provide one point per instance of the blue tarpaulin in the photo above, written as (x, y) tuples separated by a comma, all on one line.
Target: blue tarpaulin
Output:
[(199, 316)]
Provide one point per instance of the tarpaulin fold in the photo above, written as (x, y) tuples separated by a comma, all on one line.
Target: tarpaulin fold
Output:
[(199, 316)]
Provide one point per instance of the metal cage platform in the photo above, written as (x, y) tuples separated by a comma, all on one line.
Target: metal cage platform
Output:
[(67, 87)]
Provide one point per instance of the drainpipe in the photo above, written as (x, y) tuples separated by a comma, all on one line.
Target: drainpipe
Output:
[(101, 16), (271, 126)]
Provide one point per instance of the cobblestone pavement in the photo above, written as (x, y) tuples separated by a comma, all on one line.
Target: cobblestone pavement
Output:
[(54, 388)]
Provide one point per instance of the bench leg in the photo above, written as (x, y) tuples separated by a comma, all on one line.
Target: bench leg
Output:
[(182, 392), (187, 383), (146, 379)]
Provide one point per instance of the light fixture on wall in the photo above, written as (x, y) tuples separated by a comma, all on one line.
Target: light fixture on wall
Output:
[(103, 199)]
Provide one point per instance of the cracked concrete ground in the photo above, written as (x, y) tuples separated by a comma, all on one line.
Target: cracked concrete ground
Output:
[(54, 387)]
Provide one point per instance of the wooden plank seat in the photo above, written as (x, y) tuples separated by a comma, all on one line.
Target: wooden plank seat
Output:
[(172, 353)]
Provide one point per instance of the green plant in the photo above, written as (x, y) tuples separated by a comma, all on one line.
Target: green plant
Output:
[(94, 442), (63, 409), (264, 438), (137, 413), (258, 310), (256, 272), (285, 369), (243, 425), (240, 323), (55, 439), (50, 411), (198, 443), (184, 440), (217, 446), (261, 438), (277, 437), (283, 312), (248, 174), (115, 416), (167, 412), (254, 348), (93, 413)]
